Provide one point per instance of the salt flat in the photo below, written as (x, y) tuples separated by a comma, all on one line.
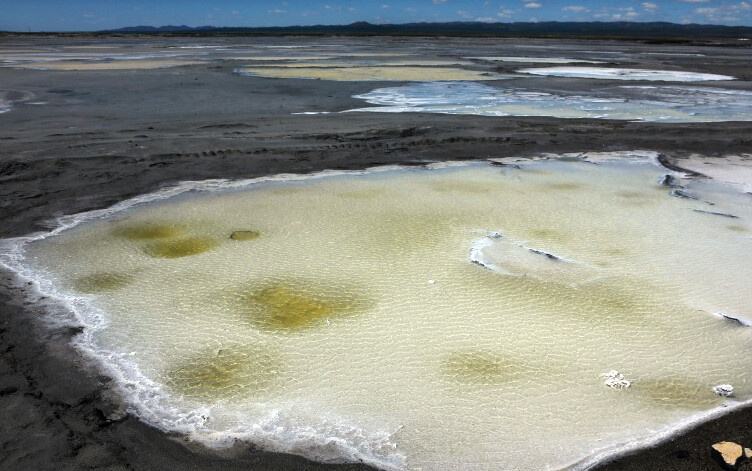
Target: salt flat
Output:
[(81, 140)]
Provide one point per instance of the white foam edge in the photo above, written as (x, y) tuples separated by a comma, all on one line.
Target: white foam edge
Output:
[(149, 402)]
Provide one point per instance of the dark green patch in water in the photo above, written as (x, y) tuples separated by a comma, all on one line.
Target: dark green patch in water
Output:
[(299, 304), (676, 393), (637, 198), (245, 235), (564, 186), (102, 282), (737, 228), (546, 234), (177, 248), (467, 187), (148, 231), (618, 301), (232, 372), (479, 367)]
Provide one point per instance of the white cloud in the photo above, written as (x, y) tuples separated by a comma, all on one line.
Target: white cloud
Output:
[(618, 14), (439, 2), (649, 6), (726, 13), (576, 9), (533, 5), (505, 13)]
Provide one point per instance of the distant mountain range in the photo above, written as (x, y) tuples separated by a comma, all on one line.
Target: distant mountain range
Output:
[(540, 29)]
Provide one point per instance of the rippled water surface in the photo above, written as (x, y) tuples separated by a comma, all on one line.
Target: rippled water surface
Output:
[(447, 318)]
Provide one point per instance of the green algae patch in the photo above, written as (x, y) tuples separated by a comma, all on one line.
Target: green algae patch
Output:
[(148, 231), (388, 235), (363, 193), (245, 235), (616, 302), (636, 198), (102, 282), (298, 304), (737, 228), (177, 248), (546, 234), (676, 393), (479, 367), (467, 187), (565, 186), (226, 373)]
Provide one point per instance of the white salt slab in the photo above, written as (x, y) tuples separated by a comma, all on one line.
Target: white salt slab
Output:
[(608, 73), (536, 60)]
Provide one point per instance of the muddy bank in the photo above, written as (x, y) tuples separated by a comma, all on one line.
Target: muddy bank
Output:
[(106, 136)]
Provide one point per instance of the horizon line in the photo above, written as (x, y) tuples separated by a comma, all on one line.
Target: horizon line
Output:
[(366, 23)]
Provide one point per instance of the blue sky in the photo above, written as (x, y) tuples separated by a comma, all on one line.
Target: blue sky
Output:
[(62, 15)]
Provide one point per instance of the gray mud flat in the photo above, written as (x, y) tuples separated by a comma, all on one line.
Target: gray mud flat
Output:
[(101, 137)]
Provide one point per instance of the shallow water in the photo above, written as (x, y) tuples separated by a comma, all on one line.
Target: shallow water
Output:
[(352, 324), (670, 104)]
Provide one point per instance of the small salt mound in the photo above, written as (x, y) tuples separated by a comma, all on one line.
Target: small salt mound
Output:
[(724, 390), (615, 380), (624, 74)]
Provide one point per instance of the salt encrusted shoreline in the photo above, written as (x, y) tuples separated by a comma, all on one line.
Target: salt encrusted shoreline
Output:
[(137, 392)]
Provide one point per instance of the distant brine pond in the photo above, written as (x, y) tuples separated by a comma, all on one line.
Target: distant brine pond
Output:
[(530, 315)]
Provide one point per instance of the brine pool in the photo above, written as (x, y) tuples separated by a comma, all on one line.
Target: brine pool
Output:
[(460, 316)]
